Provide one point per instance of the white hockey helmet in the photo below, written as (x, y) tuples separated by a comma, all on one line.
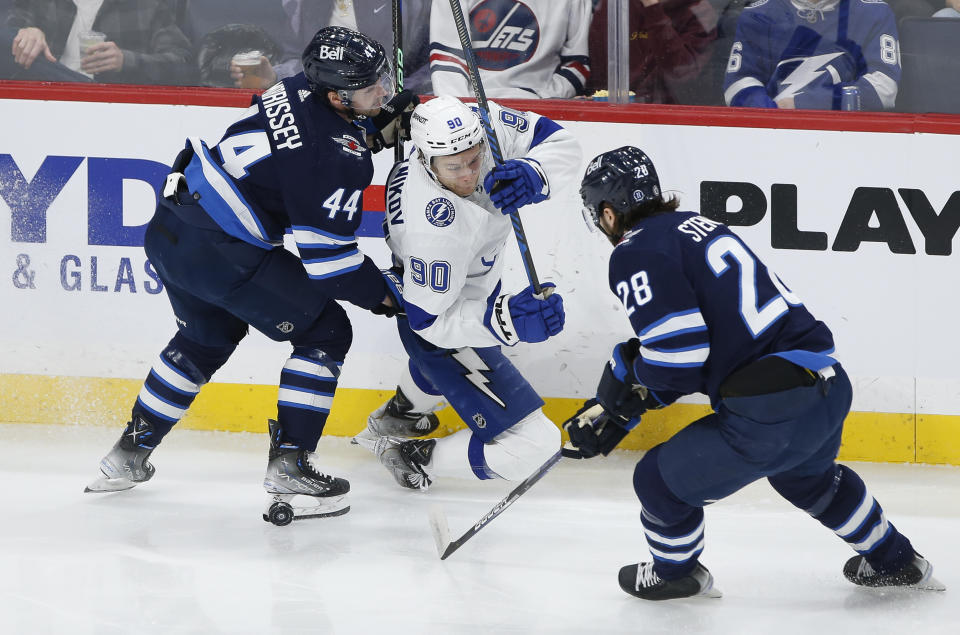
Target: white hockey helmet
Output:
[(444, 126)]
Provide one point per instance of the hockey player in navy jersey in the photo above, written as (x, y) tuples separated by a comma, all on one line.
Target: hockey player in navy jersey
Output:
[(710, 317), (804, 53), (449, 235), (296, 161)]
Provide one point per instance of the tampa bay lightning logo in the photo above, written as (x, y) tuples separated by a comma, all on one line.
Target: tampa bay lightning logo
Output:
[(440, 211), (504, 33)]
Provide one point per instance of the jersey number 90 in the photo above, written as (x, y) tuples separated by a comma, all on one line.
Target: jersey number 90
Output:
[(435, 275)]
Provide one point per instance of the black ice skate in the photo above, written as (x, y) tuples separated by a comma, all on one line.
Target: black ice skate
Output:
[(126, 464), (640, 580), (396, 418), (297, 489), (916, 574), (405, 460)]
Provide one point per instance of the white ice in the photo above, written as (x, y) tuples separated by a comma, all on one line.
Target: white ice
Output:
[(188, 552)]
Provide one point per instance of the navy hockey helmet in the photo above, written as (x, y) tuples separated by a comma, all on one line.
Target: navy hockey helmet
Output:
[(621, 178), (346, 61)]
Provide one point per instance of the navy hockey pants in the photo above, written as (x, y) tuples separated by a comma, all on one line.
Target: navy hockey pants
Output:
[(481, 384)]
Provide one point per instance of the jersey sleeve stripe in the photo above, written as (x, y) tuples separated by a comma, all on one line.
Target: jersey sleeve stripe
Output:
[(418, 318), (885, 86), (222, 201), (741, 84), (543, 129), (681, 357), (319, 239), (673, 324), (322, 268)]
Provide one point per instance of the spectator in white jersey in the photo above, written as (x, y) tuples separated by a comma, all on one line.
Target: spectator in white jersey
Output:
[(524, 50)]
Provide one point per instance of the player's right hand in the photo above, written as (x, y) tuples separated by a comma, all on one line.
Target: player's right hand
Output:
[(536, 318), (592, 431)]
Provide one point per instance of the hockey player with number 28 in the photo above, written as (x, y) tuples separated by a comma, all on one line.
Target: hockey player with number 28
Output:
[(449, 233), (296, 161), (710, 317)]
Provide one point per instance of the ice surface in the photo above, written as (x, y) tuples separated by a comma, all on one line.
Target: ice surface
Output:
[(188, 552)]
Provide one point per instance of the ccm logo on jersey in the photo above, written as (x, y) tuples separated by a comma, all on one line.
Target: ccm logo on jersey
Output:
[(330, 53), (440, 212)]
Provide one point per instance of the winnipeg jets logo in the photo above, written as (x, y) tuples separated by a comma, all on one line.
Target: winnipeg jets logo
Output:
[(475, 367), (504, 33), (806, 73)]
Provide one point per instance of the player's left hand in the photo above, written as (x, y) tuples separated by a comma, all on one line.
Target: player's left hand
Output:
[(593, 431), (620, 392), (102, 58), (516, 183), (393, 120), (393, 279)]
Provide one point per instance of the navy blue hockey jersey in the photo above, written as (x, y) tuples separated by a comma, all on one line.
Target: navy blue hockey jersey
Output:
[(291, 164), (809, 51), (703, 305)]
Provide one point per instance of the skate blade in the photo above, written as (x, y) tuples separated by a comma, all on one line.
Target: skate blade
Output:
[(104, 484), (710, 592), (366, 439)]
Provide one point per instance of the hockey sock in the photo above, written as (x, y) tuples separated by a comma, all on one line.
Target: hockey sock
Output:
[(418, 390), (168, 391), (674, 530), (841, 502), (307, 384)]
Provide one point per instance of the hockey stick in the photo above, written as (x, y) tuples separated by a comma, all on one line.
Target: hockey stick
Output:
[(398, 61), (495, 150), (438, 521)]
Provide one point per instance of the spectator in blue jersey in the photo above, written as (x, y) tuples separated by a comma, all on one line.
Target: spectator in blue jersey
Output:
[(711, 318), (142, 43), (804, 53), (296, 162), (536, 49)]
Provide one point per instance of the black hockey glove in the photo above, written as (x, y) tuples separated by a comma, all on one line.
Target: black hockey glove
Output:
[(592, 431), (393, 120), (393, 278), (620, 392)]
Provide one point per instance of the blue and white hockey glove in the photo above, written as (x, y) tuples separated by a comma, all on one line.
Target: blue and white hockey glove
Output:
[(516, 183), (620, 392), (393, 279), (593, 431), (524, 317)]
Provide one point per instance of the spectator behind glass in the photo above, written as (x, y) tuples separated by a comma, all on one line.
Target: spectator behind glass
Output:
[(790, 54), (952, 10), (526, 50), (142, 45), (670, 42), (371, 17)]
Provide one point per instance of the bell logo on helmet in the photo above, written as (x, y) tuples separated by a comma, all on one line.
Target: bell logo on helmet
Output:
[(330, 53), (594, 165)]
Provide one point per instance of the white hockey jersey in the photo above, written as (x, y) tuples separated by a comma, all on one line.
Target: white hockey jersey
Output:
[(452, 247), (524, 50)]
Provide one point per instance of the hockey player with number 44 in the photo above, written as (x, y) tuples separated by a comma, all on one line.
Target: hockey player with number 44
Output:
[(807, 54), (448, 228), (711, 318)]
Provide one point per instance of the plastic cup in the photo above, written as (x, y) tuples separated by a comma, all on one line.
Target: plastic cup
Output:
[(249, 63), (88, 39)]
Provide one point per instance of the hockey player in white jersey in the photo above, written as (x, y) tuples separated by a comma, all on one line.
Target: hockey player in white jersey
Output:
[(448, 235)]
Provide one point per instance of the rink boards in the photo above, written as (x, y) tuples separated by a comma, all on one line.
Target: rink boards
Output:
[(857, 214)]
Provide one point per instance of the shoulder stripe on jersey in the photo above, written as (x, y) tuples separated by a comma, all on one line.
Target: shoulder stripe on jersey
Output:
[(544, 128), (673, 324), (222, 201), (679, 357), (320, 268)]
